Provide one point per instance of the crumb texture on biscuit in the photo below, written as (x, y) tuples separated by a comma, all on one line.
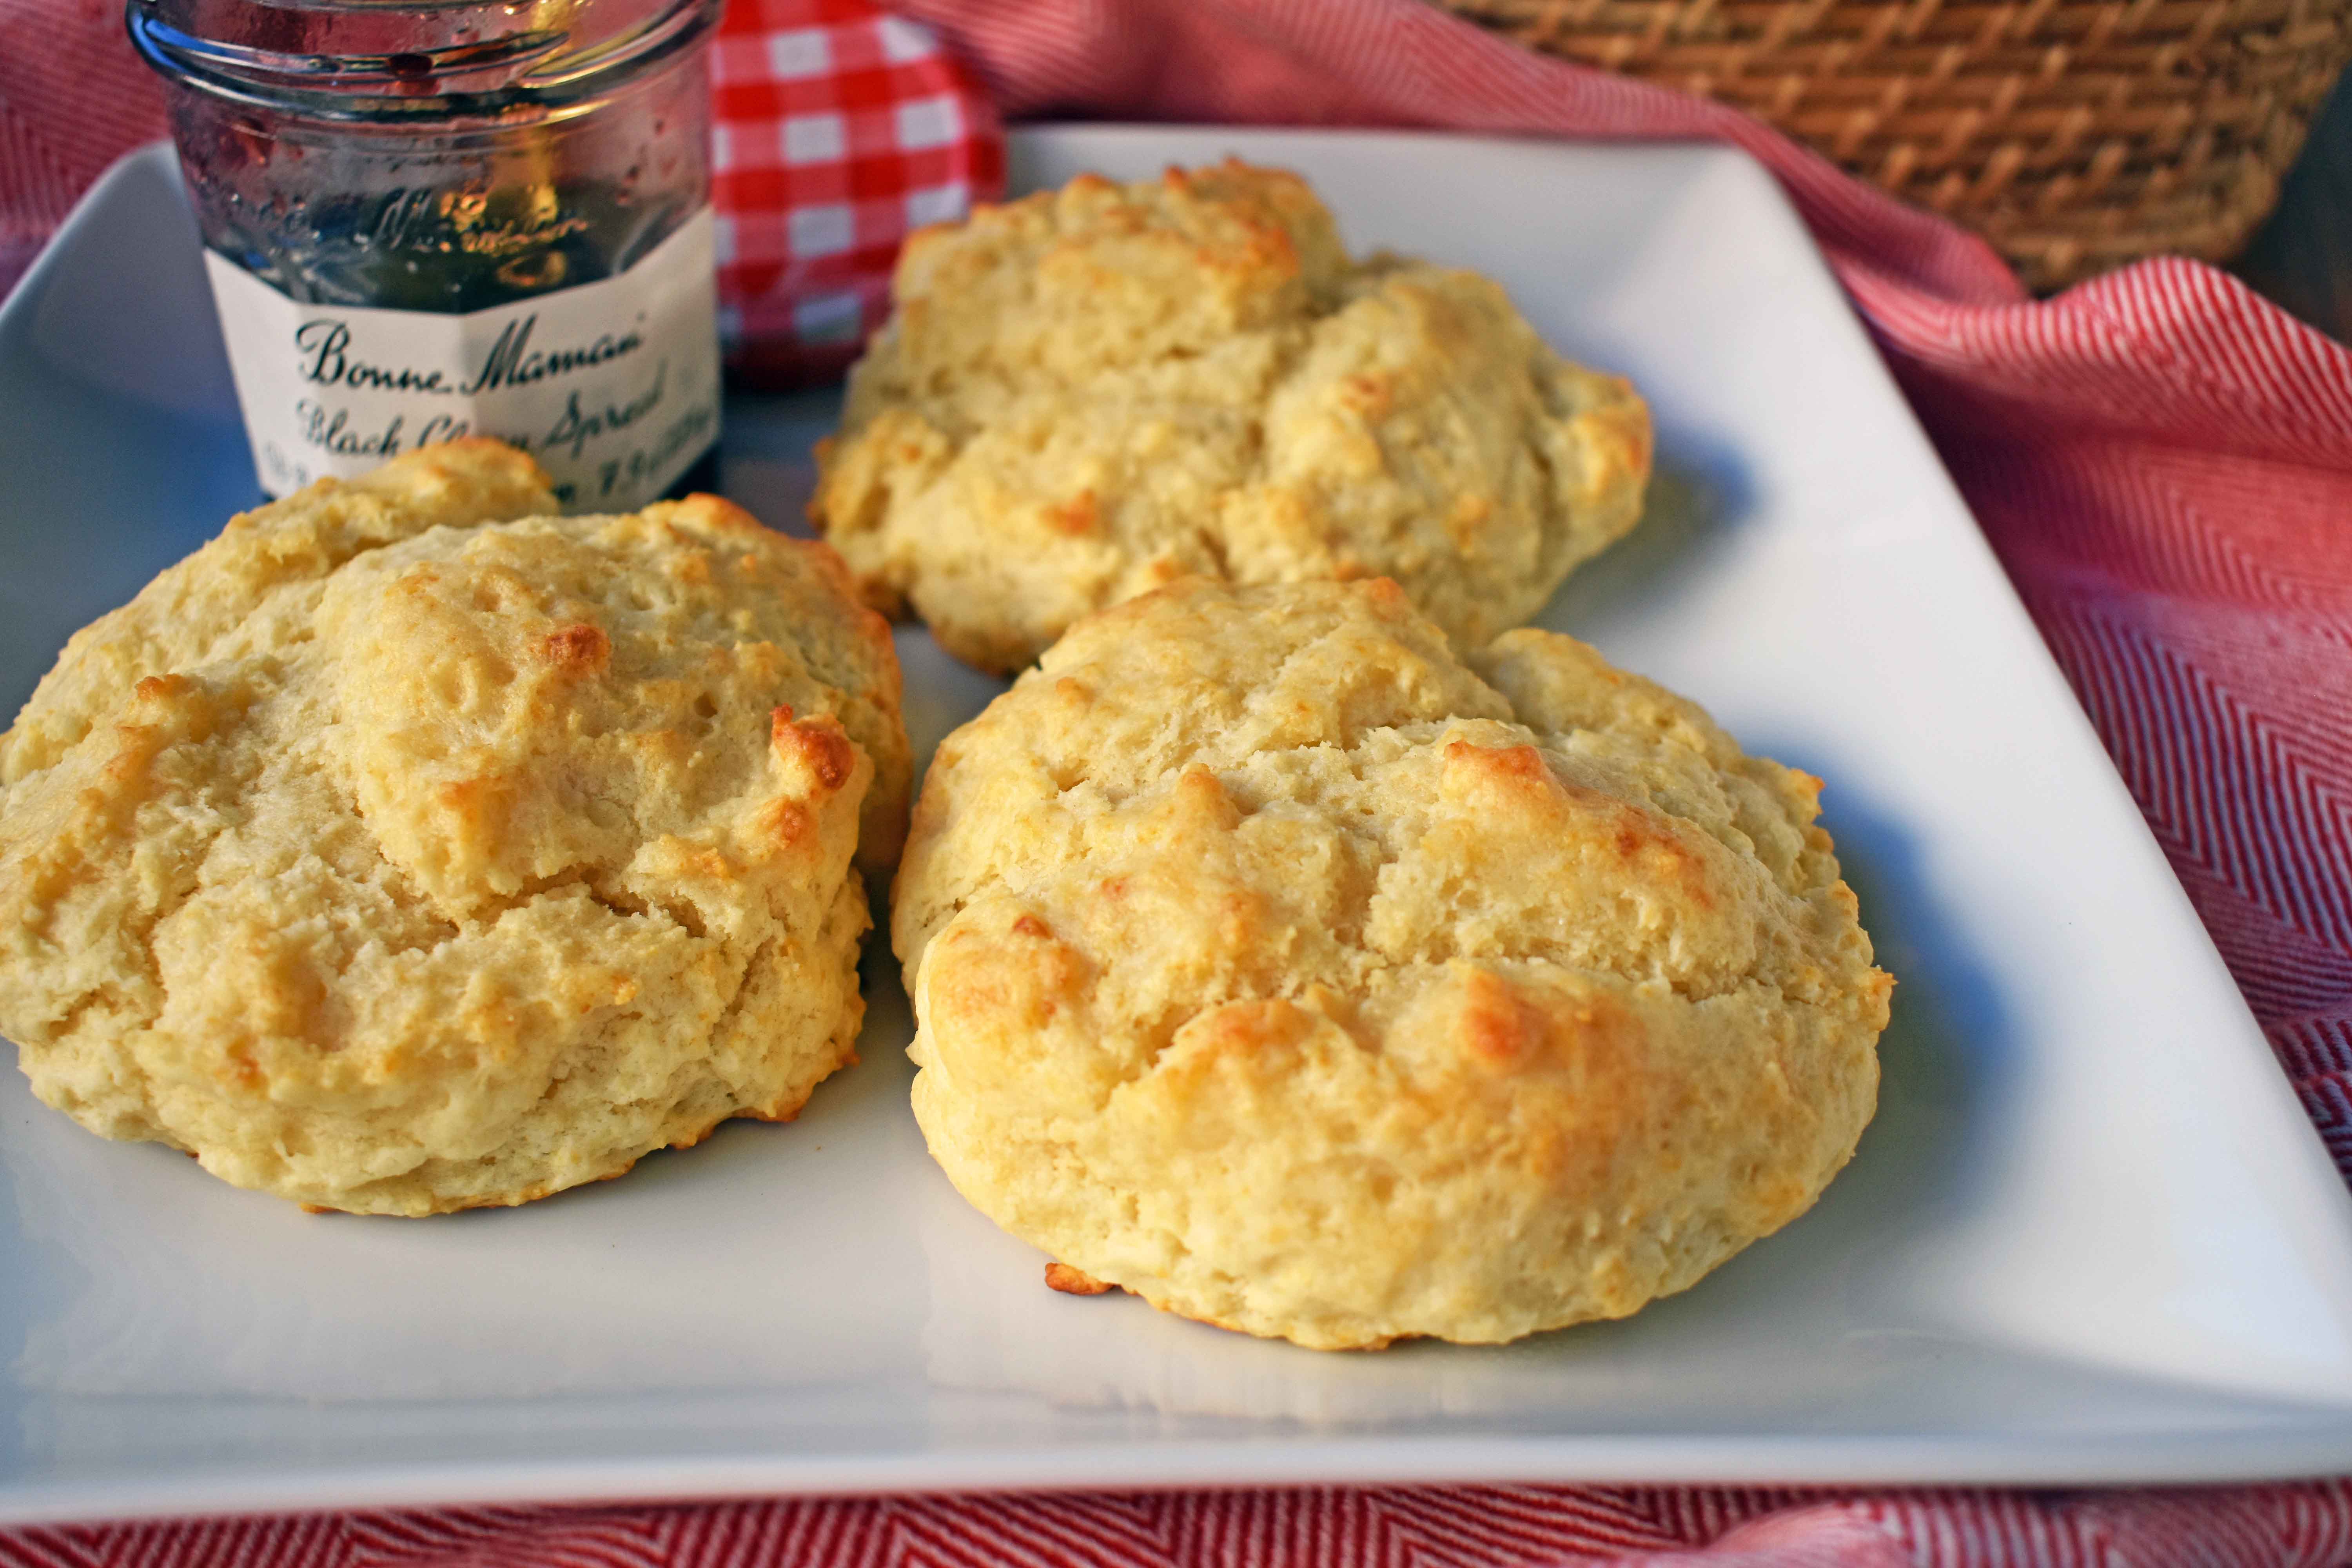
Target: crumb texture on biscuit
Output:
[(405, 849), (1090, 391), (1274, 963)]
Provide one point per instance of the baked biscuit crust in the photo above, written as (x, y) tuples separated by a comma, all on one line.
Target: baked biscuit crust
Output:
[(405, 851), (1089, 393), (1277, 965)]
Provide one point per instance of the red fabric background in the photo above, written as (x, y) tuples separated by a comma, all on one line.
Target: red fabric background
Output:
[(73, 99), (2164, 463), (795, 312)]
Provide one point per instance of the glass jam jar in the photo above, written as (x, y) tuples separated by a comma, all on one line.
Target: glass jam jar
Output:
[(429, 220)]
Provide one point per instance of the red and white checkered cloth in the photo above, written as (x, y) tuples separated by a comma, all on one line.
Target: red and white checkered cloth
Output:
[(2163, 460), (836, 131)]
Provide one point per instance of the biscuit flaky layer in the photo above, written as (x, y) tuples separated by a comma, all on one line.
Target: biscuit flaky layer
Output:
[(1279, 965), (407, 848), (1089, 393)]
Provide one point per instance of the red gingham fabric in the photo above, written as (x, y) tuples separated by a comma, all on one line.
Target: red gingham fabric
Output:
[(2164, 463), (837, 131)]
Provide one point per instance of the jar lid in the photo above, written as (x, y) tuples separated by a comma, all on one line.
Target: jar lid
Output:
[(397, 61)]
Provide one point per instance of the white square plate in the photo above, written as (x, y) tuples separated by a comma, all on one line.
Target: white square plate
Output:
[(2090, 1236)]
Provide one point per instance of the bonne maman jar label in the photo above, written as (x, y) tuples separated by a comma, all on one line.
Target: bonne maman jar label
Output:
[(613, 385)]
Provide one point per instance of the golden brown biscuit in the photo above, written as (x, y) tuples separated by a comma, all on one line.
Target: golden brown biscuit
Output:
[(1278, 965), (1089, 393), (400, 868)]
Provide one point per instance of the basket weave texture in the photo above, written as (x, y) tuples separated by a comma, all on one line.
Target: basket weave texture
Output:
[(2075, 136)]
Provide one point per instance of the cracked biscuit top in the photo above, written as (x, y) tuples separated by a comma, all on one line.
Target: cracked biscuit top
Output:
[(1280, 966), (1089, 393), (407, 848)]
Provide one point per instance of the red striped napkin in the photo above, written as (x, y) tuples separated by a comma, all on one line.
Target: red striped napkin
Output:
[(2163, 460)]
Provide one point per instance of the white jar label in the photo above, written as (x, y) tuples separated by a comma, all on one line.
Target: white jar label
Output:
[(612, 386)]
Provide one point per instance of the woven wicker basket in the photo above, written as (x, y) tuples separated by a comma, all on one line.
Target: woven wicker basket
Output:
[(2074, 135)]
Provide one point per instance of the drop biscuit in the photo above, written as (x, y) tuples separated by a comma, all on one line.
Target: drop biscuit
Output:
[(408, 850), (1090, 391), (1281, 965)]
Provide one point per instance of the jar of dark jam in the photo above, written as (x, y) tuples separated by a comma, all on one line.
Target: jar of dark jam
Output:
[(430, 220)]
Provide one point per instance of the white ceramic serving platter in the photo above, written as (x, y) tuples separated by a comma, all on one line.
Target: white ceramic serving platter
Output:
[(2090, 1236)]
